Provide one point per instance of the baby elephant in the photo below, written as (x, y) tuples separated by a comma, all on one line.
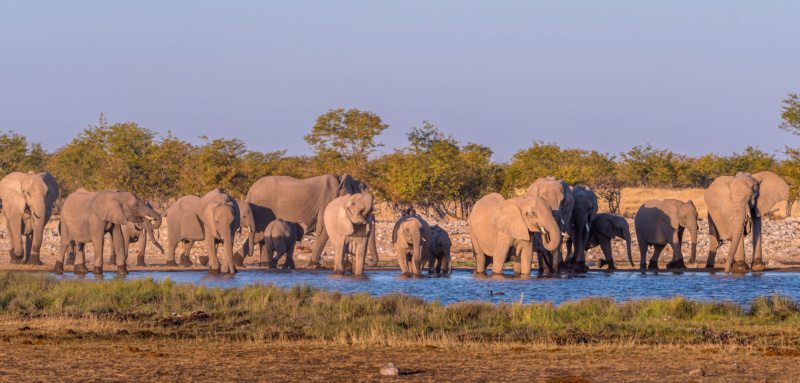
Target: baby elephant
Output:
[(439, 251), (279, 239), (603, 229), (661, 223), (411, 238)]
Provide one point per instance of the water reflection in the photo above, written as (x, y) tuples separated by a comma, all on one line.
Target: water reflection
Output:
[(464, 286)]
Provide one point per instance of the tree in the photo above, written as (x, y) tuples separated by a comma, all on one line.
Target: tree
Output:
[(344, 139), (791, 114), (19, 155)]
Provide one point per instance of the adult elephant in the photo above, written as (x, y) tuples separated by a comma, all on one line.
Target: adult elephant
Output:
[(184, 225), (558, 196), (602, 230), (87, 216), (503, 229), (301, 200), (735, 206), (219, 214), (27, 201), (584, 209), (661, 223)]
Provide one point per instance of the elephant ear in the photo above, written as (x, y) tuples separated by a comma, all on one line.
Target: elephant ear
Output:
[(397, 226), (509, 220), (605, 226), (347, 185), (719, 193), (300, 231), (107, 207), (569, 205), (771, 190), (342, 219)]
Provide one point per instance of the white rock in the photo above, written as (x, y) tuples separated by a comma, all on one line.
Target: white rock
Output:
[(697, 372), (390, 369)]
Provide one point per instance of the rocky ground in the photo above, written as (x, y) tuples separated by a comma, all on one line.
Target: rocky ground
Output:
[(781, 246)]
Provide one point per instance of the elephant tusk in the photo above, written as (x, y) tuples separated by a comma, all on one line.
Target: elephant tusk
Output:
[(562, 221), (587, 227), (543, 229)]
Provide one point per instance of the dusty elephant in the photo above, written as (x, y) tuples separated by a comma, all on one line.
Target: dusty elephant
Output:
[(661, 223), (503, 229), (558, 196), (603, 229), (349, 221), (219, 215), (411, 238), (133, 232), (184, 225), (280, 238), (439, 252), (27, 201), (735, 207), (87, 216), (300, 200), (584, 208)]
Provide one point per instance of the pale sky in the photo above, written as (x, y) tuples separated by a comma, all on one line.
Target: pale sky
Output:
[(691, 76)]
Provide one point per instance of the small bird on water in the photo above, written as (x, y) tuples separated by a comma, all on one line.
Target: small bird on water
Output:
[(491, 293)]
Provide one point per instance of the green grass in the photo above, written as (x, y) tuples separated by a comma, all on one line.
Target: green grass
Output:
[(266, 312)]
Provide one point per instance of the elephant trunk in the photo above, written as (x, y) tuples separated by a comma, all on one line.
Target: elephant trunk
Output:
[(627, 237), (737, 225), (150, 213), (373, 248), (551, 236), (416, 239), (694, 245), (149, 233)]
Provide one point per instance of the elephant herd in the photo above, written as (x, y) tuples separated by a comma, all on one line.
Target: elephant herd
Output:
[(278, 211)]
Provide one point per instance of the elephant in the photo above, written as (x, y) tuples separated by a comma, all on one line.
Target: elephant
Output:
[(662, 222), (603, 229), (558, 196), (27, 201), (133, 232), (439, 251), (87, 216), (411, 238), (300, 200), (219, 215), (735, 207), (584, 209), (247, 220), (184, 225), (350, 222), (503, 228), (279, 239)]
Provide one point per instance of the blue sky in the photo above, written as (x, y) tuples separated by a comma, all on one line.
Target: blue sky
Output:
[(695, 77)]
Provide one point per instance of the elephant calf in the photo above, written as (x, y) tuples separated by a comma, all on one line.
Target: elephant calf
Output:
[(661, 223), (439, 251), (279, 239), (411, 237), (603, 229)]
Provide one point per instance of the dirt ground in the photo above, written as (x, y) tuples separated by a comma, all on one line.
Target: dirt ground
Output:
[(190, 360)]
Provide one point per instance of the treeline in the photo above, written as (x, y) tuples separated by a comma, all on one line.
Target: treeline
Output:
[(433, 170)]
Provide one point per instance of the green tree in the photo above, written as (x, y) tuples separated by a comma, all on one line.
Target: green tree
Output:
[(344, 139), (791, 114), (17, 154)]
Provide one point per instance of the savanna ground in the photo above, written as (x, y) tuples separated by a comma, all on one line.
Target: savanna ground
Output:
[(142, 330)]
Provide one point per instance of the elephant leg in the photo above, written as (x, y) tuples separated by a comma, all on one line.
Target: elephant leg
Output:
[(98, 240), (119, 243), (605, 246), (525, 252), (657, 249), (480, 257), (316, 251), (14, 228), (214, 266), (569, 259), (739, 266), (501, 250), (713, 242), (272, 261), (29, 257), (172, 245), (758, 262), (642, 250), (677, 255), (289, 262), (80, 263), (70, 253), (402, 257), (62, 249), (339, 255), (360, 257), (186, 260)]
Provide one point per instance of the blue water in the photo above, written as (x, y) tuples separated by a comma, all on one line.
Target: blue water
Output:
[(463, 286)]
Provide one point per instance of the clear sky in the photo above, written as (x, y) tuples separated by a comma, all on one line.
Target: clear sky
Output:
[(692, 76)]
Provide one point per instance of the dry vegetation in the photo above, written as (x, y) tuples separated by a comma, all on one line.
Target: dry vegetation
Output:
[(137, 330)]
